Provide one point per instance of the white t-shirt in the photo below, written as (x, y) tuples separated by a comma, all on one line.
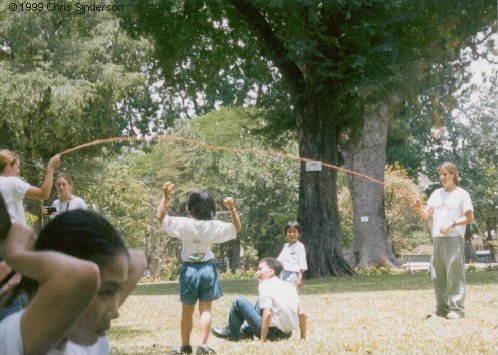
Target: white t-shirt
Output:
[(197, 236), (449, 206), (74, 203), (13, 190), (282, 300), (293, 257), (11, 343)]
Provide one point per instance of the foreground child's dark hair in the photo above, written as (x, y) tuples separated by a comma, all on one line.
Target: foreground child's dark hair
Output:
[(82, 234), (200, 205)]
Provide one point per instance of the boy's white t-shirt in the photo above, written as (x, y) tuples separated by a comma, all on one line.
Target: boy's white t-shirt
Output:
[(198, 235), (11, 344), (281, 298), (449, 206), (293, 257), (13, 190)]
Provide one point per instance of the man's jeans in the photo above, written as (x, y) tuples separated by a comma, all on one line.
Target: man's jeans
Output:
[(243, 311)]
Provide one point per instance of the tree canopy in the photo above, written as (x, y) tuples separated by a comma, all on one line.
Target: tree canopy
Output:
[(334, 58)]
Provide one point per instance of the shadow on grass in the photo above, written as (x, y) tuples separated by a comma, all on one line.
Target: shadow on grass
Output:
[(359, 283)]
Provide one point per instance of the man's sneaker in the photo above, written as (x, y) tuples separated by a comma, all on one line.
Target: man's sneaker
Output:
[(184, 349), (220, 332), (454, 315), (205, 350)]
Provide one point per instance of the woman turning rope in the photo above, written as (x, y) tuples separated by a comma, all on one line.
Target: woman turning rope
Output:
[(451, 210)]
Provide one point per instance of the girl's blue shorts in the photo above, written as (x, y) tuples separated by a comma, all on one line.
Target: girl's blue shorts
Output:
[(290, 276), (199, 281)]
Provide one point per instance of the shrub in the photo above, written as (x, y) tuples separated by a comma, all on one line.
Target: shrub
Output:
[(170, 269), (376, 270), (239, 274)]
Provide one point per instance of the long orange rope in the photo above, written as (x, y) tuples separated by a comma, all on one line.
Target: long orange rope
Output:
[(410, 198)]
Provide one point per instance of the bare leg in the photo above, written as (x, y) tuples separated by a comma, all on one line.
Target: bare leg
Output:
[(205, 313), (302, 321), (186, 324)]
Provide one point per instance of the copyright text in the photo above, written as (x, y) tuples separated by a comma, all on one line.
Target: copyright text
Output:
[(64, 7)]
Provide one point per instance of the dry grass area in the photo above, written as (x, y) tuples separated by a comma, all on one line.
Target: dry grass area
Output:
[(382, 314)]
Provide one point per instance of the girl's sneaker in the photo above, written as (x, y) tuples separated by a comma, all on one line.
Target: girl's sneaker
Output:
[(184, 349), (205, 350)]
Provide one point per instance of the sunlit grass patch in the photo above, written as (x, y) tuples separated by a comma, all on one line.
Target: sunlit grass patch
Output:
[(381, 314)]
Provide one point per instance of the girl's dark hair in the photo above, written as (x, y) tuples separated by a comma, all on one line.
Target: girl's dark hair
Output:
[(200, 205), (292, 224), (80, 233)]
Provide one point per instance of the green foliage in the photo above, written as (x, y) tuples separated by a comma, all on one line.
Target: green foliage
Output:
[(126, 203), (67, 80), (376, 270), (319, 62), (31, 220), (465, 135), (170, 269), (238, 275), (264, 188), (346, 51)]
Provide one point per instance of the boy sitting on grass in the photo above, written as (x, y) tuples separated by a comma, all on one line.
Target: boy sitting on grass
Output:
[(275, 314)]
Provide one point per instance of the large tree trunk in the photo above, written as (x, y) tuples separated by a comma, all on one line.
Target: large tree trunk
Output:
[(234, 257), (318, 211), (371, 246)]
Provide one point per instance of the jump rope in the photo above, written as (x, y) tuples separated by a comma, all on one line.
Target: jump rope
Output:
[(400, 192)]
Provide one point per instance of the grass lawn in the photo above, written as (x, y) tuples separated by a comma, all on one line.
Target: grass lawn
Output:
[(384, 314)]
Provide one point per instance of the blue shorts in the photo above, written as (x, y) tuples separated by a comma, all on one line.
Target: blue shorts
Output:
[(290, 276), (199, 281)]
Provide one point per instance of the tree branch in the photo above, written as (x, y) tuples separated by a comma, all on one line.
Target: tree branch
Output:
[(273, 48)]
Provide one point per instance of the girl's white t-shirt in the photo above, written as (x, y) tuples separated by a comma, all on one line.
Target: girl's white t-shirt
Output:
[(293, 257), (11, 344), (198, 235)]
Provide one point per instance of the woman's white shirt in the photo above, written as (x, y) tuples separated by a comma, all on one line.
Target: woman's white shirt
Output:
[(449, 206), (13, 190)]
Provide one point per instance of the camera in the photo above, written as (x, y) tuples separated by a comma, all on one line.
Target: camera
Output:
[(50, 209)]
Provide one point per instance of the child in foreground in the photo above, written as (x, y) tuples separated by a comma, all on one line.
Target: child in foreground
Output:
[(198, 274), (77, 274)]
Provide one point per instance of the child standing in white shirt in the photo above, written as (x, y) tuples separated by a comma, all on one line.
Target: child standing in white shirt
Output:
[(293, 256), (198, 274), (293, 259)]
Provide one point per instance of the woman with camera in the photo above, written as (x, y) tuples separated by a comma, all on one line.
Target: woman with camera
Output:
[(66, 201)]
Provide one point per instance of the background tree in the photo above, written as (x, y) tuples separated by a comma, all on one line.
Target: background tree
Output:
[(67, 79), (458, 126), (406, 230), (340, 63), (265, 188)]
